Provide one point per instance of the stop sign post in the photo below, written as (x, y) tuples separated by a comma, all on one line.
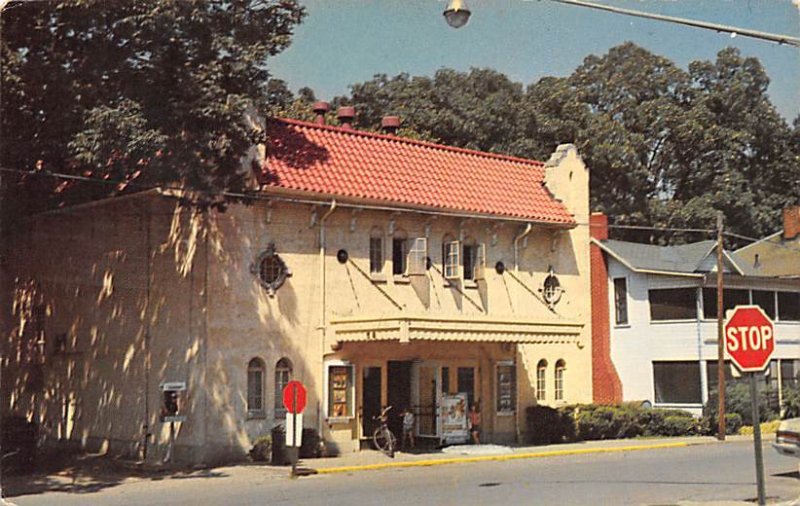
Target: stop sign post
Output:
[(294, 400), (749, 343)]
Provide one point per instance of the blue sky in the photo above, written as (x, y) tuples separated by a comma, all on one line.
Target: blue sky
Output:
[(347, 41)]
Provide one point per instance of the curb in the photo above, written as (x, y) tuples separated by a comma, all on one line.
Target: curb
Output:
[(503, 457)]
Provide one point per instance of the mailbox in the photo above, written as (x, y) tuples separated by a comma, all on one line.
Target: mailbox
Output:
[(173, 397)]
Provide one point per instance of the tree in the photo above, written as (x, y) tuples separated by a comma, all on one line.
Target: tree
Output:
[(146, 92), (474, 109), (666, 147)]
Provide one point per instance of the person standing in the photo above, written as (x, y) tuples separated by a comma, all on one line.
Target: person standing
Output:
[(475, 424), (408, 428)]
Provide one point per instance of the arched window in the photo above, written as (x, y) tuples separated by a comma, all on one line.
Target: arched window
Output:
[(376, 250), (559, 380), (541, 370), (255, 387), (283, 374)]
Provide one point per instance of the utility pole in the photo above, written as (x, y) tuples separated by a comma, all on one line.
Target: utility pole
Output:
[(720, 334)]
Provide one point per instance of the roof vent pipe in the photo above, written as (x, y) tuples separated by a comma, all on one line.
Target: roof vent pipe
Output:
[(320, 109), (390, 124), (346, 116)]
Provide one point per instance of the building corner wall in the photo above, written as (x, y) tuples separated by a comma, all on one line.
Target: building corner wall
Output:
[(567, 178), (606, 384)]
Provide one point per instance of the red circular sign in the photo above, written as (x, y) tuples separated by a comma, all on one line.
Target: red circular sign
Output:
[(749, 338), (294, 397)]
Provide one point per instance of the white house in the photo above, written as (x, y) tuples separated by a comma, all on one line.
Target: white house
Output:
[(660, 316)]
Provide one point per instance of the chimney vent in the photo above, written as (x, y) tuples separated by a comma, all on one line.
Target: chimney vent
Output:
[(791, 222), (346, 116), (390, 124), (320, 109), (598, 226)]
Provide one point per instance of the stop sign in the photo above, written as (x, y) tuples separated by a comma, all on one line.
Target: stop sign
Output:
[(749, 338), (294, 397)]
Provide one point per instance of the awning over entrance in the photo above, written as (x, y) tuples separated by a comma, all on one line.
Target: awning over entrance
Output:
[(471, 329)]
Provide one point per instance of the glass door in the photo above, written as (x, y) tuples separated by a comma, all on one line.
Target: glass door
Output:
[(426, 390)]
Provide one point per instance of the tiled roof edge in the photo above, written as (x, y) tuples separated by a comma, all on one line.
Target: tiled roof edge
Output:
[(406, 140)]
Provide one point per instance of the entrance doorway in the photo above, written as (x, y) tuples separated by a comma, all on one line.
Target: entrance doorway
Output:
[(427, 393), (398, 385), (371, 400), (466, 383)]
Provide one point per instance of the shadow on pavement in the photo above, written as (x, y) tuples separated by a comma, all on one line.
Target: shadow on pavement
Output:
[(88, 473)]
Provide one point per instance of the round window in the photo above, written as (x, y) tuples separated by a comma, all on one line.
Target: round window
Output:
[(270, 269), (551, 289)]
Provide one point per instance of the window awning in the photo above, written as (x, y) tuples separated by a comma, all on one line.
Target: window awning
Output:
[(405, 329)]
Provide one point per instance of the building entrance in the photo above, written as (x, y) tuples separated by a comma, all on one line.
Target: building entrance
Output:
[(398, 386), (371, 383)]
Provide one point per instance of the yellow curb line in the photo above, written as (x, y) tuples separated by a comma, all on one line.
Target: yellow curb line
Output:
[(486, 458)]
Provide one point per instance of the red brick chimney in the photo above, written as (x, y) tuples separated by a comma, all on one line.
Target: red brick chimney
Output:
[(390, 124), (606, 385), (346, 116), (320, 109), (791, 222)]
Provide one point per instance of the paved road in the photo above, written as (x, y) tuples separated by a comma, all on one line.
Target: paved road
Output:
[(655, 477)]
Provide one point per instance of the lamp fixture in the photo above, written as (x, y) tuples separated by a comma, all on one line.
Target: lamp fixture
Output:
[(456, 14)]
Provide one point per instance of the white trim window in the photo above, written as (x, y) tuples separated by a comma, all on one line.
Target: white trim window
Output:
[(541, 379), (283, 375), (620, 301), (451, 259), (474, 261), (255, 387), (558, 384)]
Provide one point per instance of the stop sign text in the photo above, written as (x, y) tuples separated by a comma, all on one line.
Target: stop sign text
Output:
[(749, 338)]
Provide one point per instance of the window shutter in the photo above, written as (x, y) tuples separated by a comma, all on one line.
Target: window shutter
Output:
[(417, 255), (480, 262)]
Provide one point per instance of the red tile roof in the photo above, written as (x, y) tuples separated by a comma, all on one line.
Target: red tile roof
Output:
[(359, 165)]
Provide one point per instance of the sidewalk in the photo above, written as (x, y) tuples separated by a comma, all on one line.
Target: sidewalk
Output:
[(371, 459)]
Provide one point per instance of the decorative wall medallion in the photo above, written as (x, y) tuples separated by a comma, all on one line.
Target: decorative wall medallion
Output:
[(551, 289), (270, 269)]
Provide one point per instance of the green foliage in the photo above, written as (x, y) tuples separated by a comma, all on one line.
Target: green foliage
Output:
[(766, 428), (546, 425), (262, 449), (737, 401), (596, 422), (146, 92), (791, 401), (666, 146)]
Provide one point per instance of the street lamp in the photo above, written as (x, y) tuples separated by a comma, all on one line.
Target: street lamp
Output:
[(456, 14)]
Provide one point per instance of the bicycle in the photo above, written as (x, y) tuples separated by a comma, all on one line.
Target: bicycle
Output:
[(382, 438)]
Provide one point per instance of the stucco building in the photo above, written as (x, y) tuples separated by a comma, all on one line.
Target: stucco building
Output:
[(655, 321), (375, 269)]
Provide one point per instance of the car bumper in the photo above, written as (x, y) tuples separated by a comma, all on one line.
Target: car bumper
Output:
[(787, 449)]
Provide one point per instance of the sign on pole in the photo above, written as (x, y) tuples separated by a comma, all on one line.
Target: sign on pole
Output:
[(294, 397), (294, 430), (750, 342), (749, 338)]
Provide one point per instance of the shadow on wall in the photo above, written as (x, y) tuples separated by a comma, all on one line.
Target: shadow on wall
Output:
[(108, 302)]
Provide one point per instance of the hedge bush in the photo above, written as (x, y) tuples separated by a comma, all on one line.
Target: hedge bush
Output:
[(737, 400), (548, 426), (791, 401), (262, 449), (593, 422)]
